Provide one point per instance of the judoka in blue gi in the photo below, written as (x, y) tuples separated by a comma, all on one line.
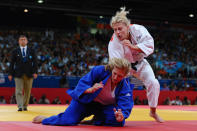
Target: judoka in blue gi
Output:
[(104, 92)]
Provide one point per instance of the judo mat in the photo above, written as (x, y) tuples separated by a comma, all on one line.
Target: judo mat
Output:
[(181, 118)]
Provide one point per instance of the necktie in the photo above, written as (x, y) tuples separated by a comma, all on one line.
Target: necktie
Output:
[(23, 52), (24, 57)]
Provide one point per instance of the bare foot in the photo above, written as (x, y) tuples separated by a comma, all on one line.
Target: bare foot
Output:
[(38, 119), (156, 117)]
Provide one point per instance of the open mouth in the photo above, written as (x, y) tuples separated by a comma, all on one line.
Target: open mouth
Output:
[(119, 37)]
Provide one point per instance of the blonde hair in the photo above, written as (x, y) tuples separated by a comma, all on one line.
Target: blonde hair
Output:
[(120, 17), (120, 63)]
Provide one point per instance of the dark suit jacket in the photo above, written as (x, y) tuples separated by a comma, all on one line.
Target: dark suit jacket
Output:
[(19, 67)]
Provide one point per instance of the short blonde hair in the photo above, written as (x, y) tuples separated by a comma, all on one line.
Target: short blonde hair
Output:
[(120, 63), (120, 17)]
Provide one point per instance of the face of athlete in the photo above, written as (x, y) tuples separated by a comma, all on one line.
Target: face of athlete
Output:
[(121, 30), (117, 75)]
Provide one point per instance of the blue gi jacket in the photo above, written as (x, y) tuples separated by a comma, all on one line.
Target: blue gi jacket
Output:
[(123, 91)]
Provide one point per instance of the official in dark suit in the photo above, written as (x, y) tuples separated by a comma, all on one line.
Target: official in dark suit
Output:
[(23, 67)]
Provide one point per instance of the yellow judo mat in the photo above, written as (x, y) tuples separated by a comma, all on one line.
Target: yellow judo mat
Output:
[(139, 113)]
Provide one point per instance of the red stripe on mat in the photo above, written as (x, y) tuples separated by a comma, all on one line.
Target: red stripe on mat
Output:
[(130, 125)]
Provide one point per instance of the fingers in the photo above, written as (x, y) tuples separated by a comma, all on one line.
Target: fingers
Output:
[(117, 111), (95, 87), (118, 114), (126, 42)]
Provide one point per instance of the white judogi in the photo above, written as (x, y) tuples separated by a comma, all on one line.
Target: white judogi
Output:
[(140, 37)]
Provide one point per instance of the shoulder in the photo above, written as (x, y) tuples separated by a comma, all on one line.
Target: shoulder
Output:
[(99, 68), (137, 27), (125, 86), (15, 50), (136, 30)]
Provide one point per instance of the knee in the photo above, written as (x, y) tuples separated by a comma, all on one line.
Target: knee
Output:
[(156, 84), (18, 93), (152, 83)]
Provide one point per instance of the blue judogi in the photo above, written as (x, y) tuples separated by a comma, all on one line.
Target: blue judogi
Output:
[(82, 105)]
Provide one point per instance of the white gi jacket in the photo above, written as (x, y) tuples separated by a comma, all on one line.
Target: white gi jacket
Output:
[(142, 38)]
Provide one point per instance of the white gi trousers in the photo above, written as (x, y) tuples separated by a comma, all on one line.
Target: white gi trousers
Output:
[(146, 75)]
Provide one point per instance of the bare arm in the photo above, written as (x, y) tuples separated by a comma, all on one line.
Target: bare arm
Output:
[(95, 87), (131, 46)]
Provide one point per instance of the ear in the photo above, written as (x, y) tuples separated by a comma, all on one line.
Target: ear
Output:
[(128, 27)]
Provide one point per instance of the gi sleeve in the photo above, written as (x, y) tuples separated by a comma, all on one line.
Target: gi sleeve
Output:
[(144, 40), (86, 82), (125, 98)]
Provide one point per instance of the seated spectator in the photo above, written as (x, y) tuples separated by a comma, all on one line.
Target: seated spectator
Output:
[(2, 100), (145, 101), (44, 100), (165, 87), (186, 101), (67, 102), (177, 101), (56, 101), (13, 99), (32, 100), (173, 86), (195, 101), (167, 101), (137, 101)]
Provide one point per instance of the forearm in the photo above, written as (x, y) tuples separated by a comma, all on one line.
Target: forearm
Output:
[(136, 48), (88, 91)]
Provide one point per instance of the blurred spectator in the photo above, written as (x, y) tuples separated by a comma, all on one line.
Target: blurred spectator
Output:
[(32, 100), (2, 100), (137, 101), (145, 101), (165, 87), (177, 101), (195, 101), (56, 101), (186, 101), (173, 86), (186, 86), (43, 100), (167, 101), (13, 99), (67, 102)]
